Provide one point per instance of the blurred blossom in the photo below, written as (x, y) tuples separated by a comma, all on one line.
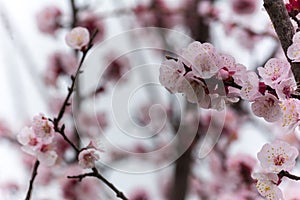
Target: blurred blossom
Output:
[(139, 195), (243, 7), (59, 63), (92, 22), (48, 19)]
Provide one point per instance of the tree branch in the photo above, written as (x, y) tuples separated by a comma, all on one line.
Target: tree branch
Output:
[(96, 174), (283, 27), (288, 175), (33, 175)]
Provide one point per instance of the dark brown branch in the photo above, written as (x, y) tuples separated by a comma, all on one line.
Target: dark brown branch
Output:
[(288, 175), (73, 78), (33, 175), (74, 13), (61, 129), (96, 174), (283, 27)]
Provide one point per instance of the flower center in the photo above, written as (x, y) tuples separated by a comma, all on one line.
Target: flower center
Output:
[(279, 160)]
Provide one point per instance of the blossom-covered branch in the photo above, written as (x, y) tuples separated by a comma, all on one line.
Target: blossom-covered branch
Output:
[(283, 27)]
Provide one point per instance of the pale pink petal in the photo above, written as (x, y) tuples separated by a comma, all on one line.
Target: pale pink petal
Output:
[(296, 37), (293, 52), (78, 38), (267, 107)]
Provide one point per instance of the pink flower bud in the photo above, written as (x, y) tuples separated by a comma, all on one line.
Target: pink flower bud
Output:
[(78, 38)]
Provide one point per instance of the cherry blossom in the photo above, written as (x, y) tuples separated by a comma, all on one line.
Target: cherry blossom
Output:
[(267, 107), (250, 86), (92, 22), (170, 72), (46, 154), (286, 88), (28, 138), (89, 156), (59, 63), (202, 58), (277, 156), (243, 7), (37, 140), (267, 185), (43, 128), (274, 71), (48, 19), (293, 52), (78, 37), (269, 190), (192, 89), (296, 37), (290, 109)]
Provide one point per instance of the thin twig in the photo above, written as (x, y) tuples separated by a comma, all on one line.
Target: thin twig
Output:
[(61, 129), (96, 174), (33, 175), (288, 175)]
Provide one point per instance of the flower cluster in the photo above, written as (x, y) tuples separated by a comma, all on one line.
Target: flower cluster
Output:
[(211, 79), (200, 73), (89, 155), (37, 140), (274, 158), (275, 102)]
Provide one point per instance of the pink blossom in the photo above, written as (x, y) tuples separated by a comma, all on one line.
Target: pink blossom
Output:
[(193, 90), (170, 72), (286, 88), (243, 7), (228, 67), (88, 19), (48, 19), (46, 154), (28, 138), (89, 156), (274, 71), (239, 73), (250, 86), (277, 156), (293, 52), (43, 128), (240, 167), (202, 58), (267, 107), (59, 63), (290, 109), (78, 38), (269, 190), (267, 185), (37, 140), (296, 37), (116, 68), (139, 194)]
